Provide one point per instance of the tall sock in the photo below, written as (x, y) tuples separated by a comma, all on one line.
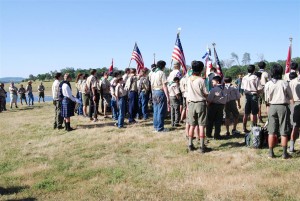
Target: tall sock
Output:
[(190, 141), (284, 150), (202, 143), (271, 153), (292, 144)]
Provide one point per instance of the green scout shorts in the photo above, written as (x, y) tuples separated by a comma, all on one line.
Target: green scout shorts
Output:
[(279, 120), (85, 99), (295, 109), (251, 105), (197, 113), (261, 98), (231, 108)]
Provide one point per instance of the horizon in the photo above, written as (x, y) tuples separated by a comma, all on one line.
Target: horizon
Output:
[(44, 36)]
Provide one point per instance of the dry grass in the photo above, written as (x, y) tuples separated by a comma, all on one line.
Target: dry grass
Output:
[(105, 163)]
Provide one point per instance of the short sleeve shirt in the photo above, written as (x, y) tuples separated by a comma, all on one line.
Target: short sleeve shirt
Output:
[(158, 79), (196, 90)]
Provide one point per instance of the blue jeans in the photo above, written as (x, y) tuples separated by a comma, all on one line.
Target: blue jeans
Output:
[(114, 109), (159, 109), (80, 109), (30, 98), (122, 106), (133, 105), (143, 105)]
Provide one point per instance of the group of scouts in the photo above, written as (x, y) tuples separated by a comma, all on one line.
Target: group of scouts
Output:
[(188, 99), (21, 92)]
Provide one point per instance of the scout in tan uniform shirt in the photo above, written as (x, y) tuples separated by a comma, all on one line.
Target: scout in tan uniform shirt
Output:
[(41, 90), (264, 78), (174, 94), (183, 90), (91, 84), (278, 94), (105, 87), (143, 94), (160, 96), (216, 99), (295, 87), (233, 97), (294, 68), (22, 93), (131, 87), (120, 94), (252, 87), (196, 98)]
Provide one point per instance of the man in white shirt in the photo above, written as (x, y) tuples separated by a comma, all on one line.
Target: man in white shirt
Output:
[(58, 119)]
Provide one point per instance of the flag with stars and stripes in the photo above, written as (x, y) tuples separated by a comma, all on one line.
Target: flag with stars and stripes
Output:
[(137, 56), (218, 64), (178, 54)]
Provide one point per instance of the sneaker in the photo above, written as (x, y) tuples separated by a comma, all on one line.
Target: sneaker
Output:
[(291, 150), (164, 130), (116, 124), (246, 130), (286, 156), (202, 150), (95, 120), (191, 148), (122, 127), (227, 133), (235, 132), (177, 125), (181, 121), (271, 155), (60, 127)]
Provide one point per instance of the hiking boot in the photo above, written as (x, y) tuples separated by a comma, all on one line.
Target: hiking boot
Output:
[(227, 133), (235, 132), (202, 150)]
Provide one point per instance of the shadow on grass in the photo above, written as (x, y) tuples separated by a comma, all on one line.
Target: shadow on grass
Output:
[(13, 190), (95, 125), (23, 199), (233, 144)]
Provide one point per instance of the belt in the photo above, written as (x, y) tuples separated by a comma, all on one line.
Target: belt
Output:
[(197, 101), (157, 89)]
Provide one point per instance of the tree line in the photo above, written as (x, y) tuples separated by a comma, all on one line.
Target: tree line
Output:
[(231, 67)]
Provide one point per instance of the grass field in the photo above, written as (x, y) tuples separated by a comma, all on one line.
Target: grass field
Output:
[(100, 162)]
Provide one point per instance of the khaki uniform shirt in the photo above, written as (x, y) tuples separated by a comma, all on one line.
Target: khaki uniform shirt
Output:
[(105, 85), (278, 92), (158, 79), (196, 90), (295, 87), (41, 88), (143, 84), (217, 95), (173, 89), (131, 83), (91, 82), (251, 84), (287, 75), (264, 77), (22, 90), (183, 86), (120, 91), (232, 93)]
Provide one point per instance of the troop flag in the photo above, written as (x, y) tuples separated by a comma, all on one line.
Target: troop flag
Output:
[(178, 54), (137, 56), (218, 64), (288, 60), (111, 68)]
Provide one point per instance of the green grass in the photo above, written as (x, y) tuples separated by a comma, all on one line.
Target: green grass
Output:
[(105, 163)]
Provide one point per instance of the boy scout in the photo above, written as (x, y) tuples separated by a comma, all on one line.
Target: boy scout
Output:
[(120, 94), (252, 86), (294, 68), (216, 100), (132, 89), (174, 93), (278, 95), (22, 93), (2, 98), (105, 87), (41, 90), (295, 87), (91, 84), (264, 77), (196, 98), (233, 97), (143, 90)]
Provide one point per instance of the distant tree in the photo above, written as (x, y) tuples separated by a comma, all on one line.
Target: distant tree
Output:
[(227, 63), (246, 58), (260, 57), (31, 77), (235, 57)]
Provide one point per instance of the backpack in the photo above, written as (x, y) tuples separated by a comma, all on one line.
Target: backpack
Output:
[(257, 138)]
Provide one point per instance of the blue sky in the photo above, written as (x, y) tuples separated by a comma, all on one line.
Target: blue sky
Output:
[(42, 36)]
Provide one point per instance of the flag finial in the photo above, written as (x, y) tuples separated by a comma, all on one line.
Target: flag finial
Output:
[(291, 39), (178, 30), (213, 44)]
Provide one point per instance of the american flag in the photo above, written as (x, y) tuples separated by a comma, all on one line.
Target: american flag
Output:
[(288, 60), (178, 54), (218, 64), (208, 62), (111, 68), (137, 56)]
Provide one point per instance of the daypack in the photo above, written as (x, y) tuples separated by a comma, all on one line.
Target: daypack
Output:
[(257, 138)]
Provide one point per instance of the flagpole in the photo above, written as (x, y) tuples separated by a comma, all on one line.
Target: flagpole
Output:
[(131, 56), (291, 40), (214, 45), (178, 33), (153, 58)]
